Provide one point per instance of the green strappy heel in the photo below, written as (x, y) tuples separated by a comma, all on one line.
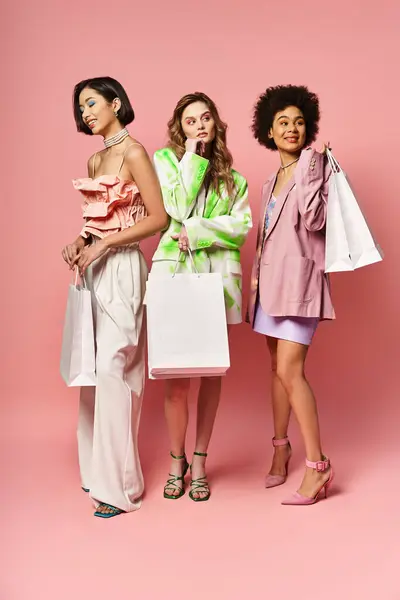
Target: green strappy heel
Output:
[(199, 485), (171, 483)]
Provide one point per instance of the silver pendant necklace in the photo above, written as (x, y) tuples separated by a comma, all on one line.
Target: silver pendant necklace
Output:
[(283, 167)]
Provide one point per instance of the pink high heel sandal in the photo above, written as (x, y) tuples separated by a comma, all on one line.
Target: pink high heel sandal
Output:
[(275, 480), (321, 466)]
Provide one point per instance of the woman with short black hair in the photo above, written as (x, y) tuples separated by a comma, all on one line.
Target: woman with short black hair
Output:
[(122, 205)]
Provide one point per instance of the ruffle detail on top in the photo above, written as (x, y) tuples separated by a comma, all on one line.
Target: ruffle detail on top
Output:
[(110, 204)]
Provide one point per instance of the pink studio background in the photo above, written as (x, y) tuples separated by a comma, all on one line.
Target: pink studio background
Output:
[(242, 544)]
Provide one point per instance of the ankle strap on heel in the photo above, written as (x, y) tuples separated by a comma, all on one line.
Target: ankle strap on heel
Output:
[(320, 465), (281, 442), (178, 457), (200, 454)]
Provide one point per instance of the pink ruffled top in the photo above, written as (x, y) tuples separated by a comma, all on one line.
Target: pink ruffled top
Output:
[(110, 204)]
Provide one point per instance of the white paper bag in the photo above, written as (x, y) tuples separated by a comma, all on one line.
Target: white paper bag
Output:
[(186, 325), (349, 241), (78, 363), (337, 252)]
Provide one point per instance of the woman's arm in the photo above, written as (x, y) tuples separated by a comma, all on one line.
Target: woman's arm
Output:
[(311, 178), (227, 231), (71, 251), (180, 181), (91, 169)]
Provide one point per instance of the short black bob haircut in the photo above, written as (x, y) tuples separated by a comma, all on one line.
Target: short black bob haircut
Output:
[(276, 99), (110, 89)]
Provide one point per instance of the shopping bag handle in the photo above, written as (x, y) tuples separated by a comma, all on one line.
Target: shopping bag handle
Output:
[(333, 163), (82, 278), (191, 260)]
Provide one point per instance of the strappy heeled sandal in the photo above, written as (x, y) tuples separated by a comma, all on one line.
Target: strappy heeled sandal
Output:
[(199, 485), (320, 466), (114, 511), (172, 481), (275, 480)]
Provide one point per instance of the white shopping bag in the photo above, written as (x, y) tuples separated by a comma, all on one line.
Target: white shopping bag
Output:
[(78, 363), (186, 325), (349, 241)]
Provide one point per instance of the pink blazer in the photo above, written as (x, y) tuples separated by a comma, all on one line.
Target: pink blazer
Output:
[(288, 272)]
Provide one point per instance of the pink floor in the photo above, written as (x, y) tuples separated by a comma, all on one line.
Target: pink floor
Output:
[(241, 544)]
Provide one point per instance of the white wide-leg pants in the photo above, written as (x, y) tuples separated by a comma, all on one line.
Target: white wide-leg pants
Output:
[(109, 414)]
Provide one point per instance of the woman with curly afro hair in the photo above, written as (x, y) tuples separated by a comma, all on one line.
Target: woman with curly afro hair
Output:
[(290, 291)]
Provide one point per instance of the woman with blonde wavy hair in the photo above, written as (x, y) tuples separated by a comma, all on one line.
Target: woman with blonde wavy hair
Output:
[(209, 212)]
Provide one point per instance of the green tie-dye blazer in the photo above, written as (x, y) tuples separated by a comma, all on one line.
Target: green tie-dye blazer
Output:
[(217, 225)]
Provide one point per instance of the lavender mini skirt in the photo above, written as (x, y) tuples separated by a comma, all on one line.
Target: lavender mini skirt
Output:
[(292, 329)]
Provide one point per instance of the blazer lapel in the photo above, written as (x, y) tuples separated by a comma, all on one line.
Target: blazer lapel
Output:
[(210, 202), (266, 194), (280, 202)]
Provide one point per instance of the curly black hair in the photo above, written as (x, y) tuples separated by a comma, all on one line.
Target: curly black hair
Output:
[(276, 99)]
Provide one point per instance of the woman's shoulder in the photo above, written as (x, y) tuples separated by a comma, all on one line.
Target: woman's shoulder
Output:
[(134, 149), (94, 162), (165, 159), (166, 154), (238, 178)]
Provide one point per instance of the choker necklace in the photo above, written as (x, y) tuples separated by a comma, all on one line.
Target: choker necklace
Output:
[(116, 139), (290, 164)]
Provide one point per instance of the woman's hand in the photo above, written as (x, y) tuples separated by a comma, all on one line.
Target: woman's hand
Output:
[(325, 146), (183, 240), (70, 252), (195, 145), (89, 254)]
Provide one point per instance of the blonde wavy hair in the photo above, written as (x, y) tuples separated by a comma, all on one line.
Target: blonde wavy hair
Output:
[(221, 159)]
